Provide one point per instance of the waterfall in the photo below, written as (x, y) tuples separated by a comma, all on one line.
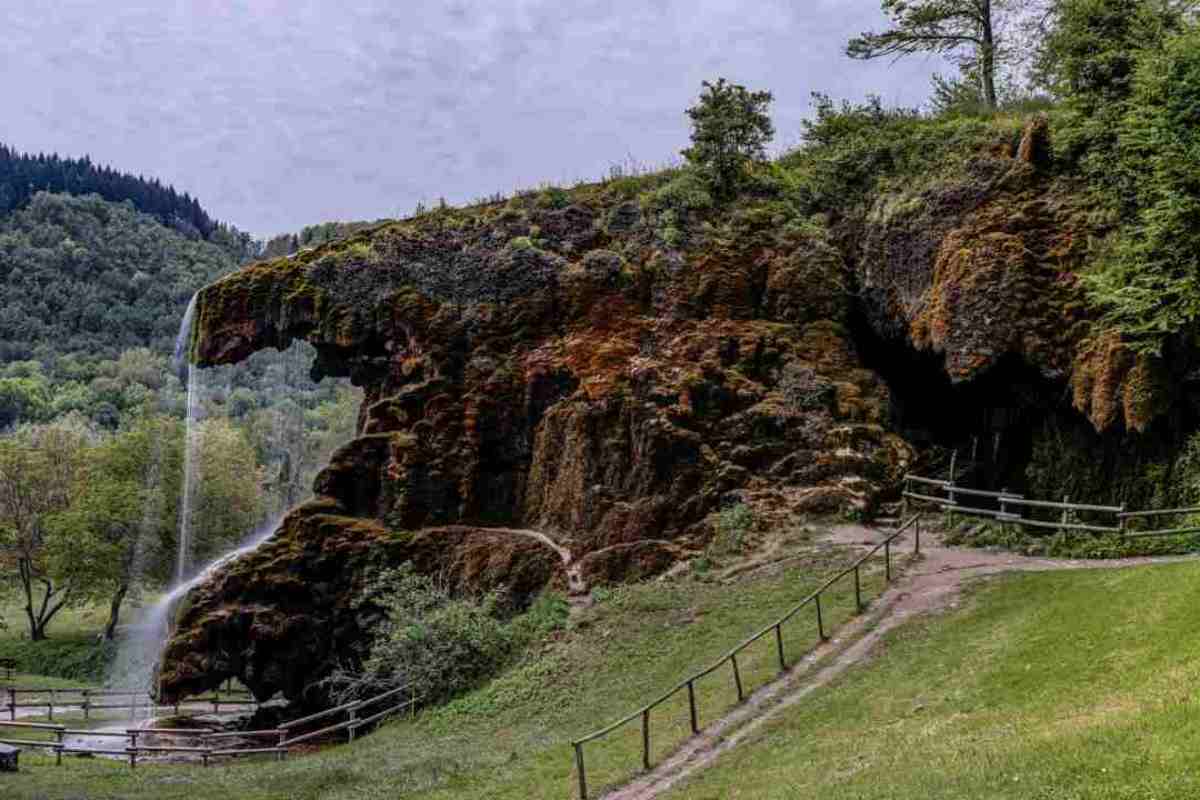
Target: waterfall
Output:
[(190, 444), (138, 657), (183, 362), (279, 375), (183, 339)]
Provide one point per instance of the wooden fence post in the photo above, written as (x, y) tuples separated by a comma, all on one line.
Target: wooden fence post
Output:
[(857, 591), (950, 487), (1121, 520), (779, 647), (692, 707), (737, 677), (820, 620), (1066, 514), (579, 769), (646, 739)]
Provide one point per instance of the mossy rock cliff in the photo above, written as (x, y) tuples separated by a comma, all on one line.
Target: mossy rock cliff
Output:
[(609, 371)]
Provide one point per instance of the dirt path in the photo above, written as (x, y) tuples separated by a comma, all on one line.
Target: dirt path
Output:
[(577, 588), (929, 585)]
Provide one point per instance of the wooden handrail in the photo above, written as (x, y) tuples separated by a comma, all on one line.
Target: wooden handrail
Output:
[(1161, 512), (730, 656)]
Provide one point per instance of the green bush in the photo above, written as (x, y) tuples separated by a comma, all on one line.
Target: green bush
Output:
[(438, 644), (1148, 279), (553, 197), (732, 525), (79, 658), (675, 207)]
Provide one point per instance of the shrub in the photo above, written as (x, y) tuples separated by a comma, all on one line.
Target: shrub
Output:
[(1148, 280), (675, 206), (438, 644), (553, 197), (79, 658), (732, 526)]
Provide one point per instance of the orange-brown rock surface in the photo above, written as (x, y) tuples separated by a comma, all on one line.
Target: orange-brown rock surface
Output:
[(560, 367), (553, 370)]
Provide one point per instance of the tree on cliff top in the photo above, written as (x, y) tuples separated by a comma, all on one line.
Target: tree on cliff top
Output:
[(1088, 50), (970, 31), (730, 130)]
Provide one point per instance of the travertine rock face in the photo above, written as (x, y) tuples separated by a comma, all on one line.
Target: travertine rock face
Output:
[(988, 267), (559, 371), (565, 372)]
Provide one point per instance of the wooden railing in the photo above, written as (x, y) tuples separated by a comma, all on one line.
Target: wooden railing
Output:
[(1163, 512), (288, 734), (284, 736), (731, 657), (88, 700), (1011, 509), (58, 745)]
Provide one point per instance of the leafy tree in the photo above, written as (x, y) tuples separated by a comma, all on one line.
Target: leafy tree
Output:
[(1149, 278), (107, 540), (39, 472), (1088, 50), (23, 399), (730, 131), (79, 275), (228, 491), (970, 31)]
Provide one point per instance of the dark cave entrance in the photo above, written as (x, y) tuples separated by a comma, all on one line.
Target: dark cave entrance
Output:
[(989, 423)]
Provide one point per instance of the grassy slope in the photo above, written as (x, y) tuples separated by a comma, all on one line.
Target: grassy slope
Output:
[(511, 738), (1058, 685)]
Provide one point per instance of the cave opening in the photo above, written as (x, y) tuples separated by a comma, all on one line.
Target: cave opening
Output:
[(989, 423)]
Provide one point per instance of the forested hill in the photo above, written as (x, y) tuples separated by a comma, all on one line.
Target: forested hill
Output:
[(79, 275), (23, 176)]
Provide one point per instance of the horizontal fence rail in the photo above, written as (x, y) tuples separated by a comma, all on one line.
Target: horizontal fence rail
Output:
[(1010, 509), (89, 700), (212, 743), (730, 658), (287, 732)]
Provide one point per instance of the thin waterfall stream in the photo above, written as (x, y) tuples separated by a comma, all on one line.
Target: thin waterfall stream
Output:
[(274, 386), (183, 361)]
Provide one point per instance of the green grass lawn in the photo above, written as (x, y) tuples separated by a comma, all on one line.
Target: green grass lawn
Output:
[(511, 738), (1064, 685)]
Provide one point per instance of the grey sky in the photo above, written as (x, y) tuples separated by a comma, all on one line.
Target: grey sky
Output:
[(282, 113)]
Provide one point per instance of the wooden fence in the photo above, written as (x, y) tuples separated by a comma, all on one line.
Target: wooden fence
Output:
[(288, 733), (88, 700), (689, 684), (282, 737), (1011, 509)]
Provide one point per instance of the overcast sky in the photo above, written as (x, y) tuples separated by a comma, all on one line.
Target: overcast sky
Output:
[(282, 113)]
